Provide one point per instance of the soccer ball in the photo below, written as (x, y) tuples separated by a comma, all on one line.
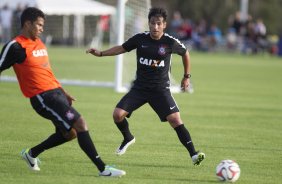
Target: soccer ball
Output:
[(228, 170)]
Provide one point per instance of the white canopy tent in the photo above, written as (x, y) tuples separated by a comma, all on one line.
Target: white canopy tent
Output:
[(64, 7), (74, 7), (78, 8)]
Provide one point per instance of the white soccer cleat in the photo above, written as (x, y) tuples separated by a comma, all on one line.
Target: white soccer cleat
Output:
[(112, 172), (123, 147), (198, 158), (31, 162)]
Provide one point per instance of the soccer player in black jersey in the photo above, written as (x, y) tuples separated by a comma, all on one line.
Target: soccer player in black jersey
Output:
[(152, 84)]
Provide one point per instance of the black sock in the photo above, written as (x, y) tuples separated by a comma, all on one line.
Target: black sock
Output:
[(185, 139), (54, 140), (124, 129), (86, 144)]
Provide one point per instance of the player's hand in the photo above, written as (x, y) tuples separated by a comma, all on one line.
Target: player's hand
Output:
[(94, 52), (185, 84), (69, 97)]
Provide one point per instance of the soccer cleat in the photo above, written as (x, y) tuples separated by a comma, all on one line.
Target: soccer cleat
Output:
[(124, 145), (198, 158), (112, 172), (31, 162)]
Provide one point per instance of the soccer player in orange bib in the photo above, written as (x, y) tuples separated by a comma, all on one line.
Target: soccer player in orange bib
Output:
[(29, 58)]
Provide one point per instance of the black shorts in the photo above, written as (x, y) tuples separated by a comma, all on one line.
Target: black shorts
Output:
[(53, 105), (160, 100)]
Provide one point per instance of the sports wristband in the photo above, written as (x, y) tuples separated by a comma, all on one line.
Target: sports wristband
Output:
[(187, 76)]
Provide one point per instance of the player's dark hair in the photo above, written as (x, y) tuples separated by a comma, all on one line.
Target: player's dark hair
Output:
[(31, 14), (157, 12)]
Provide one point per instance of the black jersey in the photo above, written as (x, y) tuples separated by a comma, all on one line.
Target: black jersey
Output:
[(153, 59)]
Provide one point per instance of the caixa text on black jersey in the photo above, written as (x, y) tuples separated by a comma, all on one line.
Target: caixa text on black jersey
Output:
[(151, 62)]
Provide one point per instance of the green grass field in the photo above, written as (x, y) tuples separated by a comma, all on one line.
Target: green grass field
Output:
[(234, 113)]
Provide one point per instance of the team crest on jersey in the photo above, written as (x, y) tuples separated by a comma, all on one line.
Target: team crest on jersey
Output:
[(69, 115), (162, 50)]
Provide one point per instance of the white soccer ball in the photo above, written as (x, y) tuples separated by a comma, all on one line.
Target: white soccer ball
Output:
[(228, 170)]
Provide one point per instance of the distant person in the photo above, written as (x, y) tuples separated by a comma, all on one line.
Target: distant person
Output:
[(260, 28), (175, 24), (199, 36), (260, 32), (215, 36), (231, 39), (6, 17), (250, 45), (152, 84), (29, 58), (185, 31), (17, 16), (237, 23)]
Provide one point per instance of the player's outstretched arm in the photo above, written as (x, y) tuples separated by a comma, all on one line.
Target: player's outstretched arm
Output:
[(116, 50)]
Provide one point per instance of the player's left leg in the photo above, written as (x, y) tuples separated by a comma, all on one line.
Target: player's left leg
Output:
[(165, 106), (185, 138), (56, 139)]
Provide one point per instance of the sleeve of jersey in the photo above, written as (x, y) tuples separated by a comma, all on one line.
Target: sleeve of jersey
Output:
[(131, 43), (178, 47), (11, 53)]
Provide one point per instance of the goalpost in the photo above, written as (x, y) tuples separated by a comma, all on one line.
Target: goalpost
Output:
[(120, 38), (130, 21)]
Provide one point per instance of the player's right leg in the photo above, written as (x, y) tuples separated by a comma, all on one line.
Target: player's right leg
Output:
[(122, 124), (33, 163), (86, 144), (124, 145), (110, 171), (130, 102)]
